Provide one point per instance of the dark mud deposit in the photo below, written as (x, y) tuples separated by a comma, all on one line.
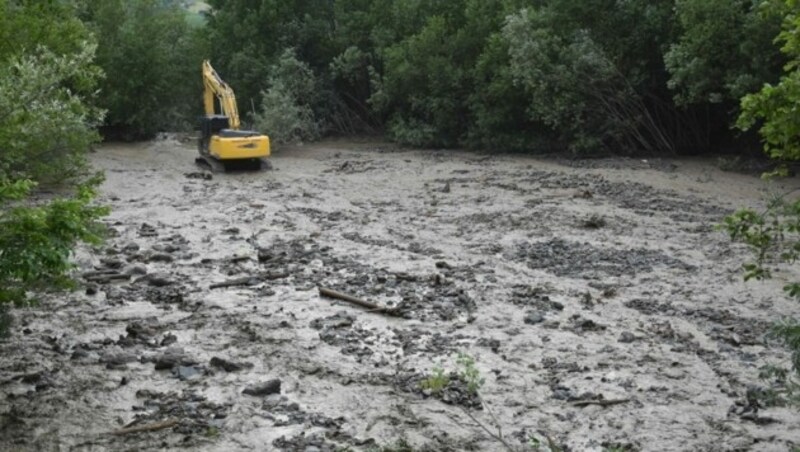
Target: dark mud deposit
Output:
[(598, 302)]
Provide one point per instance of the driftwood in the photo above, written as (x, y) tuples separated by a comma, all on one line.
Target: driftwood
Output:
[(600, 402), (272, 276), (357, 301), (245, 281), (105, 277), (251, 280), (146, 428)]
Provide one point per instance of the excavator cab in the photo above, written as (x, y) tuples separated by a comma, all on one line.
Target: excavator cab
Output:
[(222, 145)]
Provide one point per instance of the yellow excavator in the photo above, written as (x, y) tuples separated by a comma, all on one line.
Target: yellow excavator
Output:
[(223, 146)]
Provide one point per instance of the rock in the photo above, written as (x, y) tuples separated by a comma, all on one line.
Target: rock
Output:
[(158, 279), (140, 330), (160, 257), (117, 358), (91, 290), (228, 366), (185, 373), (130, 248), (273, 401), (134, 270), (533, 318), (264, 389), (199, 175), (172, 357), (113, 264), (79, 353), (627, 337), (168, 340)]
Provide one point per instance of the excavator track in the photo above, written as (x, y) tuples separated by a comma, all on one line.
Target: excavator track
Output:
[(227, 166)]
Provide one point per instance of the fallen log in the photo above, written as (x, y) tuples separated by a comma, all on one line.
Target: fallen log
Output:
[(600, 402), (146, 428), (273, 276), (244, 281), (102, 279), (330, 293)]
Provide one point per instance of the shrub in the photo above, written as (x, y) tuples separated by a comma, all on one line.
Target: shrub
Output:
[(286, 113)]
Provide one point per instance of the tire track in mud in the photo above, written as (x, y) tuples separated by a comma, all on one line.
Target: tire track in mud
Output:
[(569, 287)]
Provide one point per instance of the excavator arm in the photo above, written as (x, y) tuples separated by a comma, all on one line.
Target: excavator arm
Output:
[(215, 87), (222, 145)]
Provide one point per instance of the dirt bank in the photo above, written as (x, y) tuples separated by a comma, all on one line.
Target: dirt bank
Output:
[(600, 306)]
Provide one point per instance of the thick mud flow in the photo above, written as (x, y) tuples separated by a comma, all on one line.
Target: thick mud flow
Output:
[(588, 303)]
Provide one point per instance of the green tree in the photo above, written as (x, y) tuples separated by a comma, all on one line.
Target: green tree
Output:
[(774, 235), (47, 123), (286, 113), (48, 82), (593, 71), (725, 49), (247, 37), (151, 57), (774, 108)]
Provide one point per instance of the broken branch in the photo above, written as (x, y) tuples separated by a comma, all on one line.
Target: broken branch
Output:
[(600, 402), (363, 303)]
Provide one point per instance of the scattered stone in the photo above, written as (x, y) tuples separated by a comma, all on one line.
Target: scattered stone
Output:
[(201, 175), (229, 366), (135, 270), (168, 340), (533, 318), (627, 337), (160, 257), (264, 389), (117, 358), (158, 279), (172, 357), (186, 373)]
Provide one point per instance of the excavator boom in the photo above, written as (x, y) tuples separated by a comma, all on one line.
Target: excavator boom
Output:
[(215, 87), (221, 142)]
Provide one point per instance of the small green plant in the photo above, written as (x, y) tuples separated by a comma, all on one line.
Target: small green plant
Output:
[(437, 381), (543, 445), (469, 373)]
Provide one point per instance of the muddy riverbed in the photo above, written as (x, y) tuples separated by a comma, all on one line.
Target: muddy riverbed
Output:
[(596, 302)]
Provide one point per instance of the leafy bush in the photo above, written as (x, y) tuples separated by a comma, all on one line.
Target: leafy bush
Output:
[(46, 122), (774, 235), (774, 108), (286, 113), (724, 50), (774, 238), (581, 83), (36, 239), (152, 59)]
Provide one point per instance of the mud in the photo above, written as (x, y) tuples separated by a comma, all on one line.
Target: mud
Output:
[(599, 303)]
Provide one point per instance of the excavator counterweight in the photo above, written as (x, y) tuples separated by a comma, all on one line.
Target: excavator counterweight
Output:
[(222, 145)]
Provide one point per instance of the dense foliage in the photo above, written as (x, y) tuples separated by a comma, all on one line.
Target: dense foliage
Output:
[(598, 75), (774, 235), (151, 58), (47, 124)]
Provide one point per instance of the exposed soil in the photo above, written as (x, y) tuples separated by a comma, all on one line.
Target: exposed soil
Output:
[(599, 303)]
